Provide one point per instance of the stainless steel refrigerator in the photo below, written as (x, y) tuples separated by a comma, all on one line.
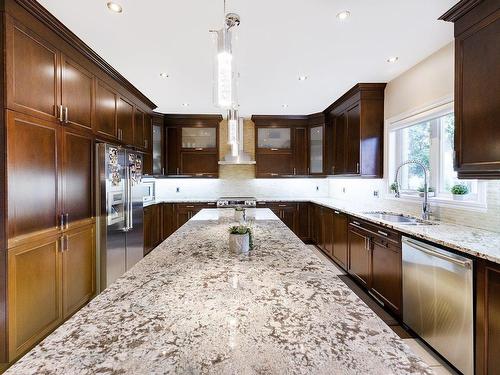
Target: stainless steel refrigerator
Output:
[(120, 194)]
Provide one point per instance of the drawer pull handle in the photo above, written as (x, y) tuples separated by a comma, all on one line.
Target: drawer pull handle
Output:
[(382, 233), (281, 205), (189, 206), (356, 222), (274, 149), (338, 213)]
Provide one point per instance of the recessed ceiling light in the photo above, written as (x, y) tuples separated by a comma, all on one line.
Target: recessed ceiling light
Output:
[(284, 105), (164, 75), (114, 7), (392, 59), (185, 104), (343, 15), (302, 78)]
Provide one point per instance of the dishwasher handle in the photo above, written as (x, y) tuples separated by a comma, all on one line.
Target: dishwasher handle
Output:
[(430, 251)]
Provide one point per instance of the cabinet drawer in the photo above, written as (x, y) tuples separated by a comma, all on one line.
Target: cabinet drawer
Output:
[(379, 233)]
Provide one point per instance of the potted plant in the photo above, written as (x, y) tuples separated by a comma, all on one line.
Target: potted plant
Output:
[(459, 192), (239, 214), (430, 191), (240, 239), (394, 187)]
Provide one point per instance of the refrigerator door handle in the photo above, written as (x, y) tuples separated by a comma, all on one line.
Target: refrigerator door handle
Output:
[(130, 224), (127, 199)]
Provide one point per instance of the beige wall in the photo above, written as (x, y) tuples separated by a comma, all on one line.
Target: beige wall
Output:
[(425, 83)]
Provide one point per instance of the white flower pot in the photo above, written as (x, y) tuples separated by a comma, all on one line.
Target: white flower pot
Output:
[(239, 243), (459, 197)]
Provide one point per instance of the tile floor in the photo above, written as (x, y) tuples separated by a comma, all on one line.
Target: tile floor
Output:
[(418, 347)]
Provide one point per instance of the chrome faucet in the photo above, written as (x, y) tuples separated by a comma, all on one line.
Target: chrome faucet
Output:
[(426, 208)]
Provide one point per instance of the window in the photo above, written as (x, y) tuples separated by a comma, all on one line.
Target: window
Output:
[(428, 138)]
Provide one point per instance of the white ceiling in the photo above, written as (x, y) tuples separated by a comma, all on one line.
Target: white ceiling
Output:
[(277, 41)]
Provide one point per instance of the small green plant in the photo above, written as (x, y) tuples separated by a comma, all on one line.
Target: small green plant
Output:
[(429, 189), (459, 189), (243, 229), (238, 208), (394, 187)]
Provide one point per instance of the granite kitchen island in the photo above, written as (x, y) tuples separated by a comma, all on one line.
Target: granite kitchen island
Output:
[(192, 307)]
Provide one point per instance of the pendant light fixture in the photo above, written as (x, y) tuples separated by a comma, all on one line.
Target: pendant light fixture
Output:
[(224, 68)]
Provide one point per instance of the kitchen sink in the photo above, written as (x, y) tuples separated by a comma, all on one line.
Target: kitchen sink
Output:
[(398, 218)]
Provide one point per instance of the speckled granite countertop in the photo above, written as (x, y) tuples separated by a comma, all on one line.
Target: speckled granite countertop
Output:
[(476, 242), (192, 307)]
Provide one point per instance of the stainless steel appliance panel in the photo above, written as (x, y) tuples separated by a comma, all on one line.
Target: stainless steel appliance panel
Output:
[(135, 198), (120, 211), (438, 301)]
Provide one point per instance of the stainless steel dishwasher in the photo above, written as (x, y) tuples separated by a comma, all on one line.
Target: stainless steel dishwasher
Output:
[(437, 301)]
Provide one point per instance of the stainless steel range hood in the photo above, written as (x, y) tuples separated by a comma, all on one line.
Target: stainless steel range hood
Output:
[(242, 158)]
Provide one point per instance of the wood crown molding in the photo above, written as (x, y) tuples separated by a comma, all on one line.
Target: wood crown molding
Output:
[(459, 9), (44, 16), (354, 90), (192, 120)]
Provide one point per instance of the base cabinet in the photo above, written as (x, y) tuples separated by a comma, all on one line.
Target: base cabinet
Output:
[(78, 267), (34, 293), (386, 278), (152, 227), (340, 242), (487, 318), (359, 254), (48, 282)]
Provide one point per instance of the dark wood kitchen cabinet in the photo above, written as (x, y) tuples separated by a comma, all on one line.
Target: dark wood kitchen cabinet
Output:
[(317, 224), (477, 88), (125, 121), (281, 146), (185, 211), (192, 145), (303, 225), (327, 227), (152, 227), (340, 242), (317, 144), (487, 318), (375, 262), (168, 220), (357, 121), (77, 94), (359, 264), (78, 268), (105, 108), (32, 65), (59, 97), (158, 145), (139, 138), (386, 276), (34, 291), (33, 176)]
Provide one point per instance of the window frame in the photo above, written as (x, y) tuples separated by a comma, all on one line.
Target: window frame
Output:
[(392, 158)]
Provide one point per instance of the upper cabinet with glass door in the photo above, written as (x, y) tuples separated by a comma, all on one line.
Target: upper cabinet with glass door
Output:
[(316, 144), (274, 138), (192, 145), (281, 146), (198, 138)]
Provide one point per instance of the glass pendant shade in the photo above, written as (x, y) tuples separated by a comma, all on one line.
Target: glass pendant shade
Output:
[(233, 133), (224, 72)]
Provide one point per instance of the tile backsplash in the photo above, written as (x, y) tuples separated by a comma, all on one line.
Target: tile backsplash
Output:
[(260, 188), (363, 190)]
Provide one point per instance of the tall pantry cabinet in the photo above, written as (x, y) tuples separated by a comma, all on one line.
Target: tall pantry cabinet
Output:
[(60, 99)]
